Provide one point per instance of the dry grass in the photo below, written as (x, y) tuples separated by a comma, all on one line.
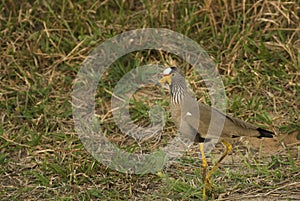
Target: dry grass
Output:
[(43, 43)]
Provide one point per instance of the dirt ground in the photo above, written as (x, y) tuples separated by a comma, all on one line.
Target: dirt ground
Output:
[(283, 144)]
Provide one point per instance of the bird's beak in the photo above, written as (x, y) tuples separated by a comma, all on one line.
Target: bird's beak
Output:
[(166, 79)]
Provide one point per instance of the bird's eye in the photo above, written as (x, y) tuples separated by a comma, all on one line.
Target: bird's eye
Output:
[(172, 74)]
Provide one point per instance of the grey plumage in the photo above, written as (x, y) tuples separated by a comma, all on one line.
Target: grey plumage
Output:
[(194, 118)]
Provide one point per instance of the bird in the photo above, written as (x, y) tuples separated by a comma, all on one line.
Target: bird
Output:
[(193, 119)]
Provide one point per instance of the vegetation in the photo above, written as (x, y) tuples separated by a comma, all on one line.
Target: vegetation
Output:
[(256, 48)]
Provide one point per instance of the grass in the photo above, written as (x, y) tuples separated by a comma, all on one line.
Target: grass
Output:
[(255, 45)]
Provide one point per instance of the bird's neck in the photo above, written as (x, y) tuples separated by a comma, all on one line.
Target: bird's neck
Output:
[(177, 94)]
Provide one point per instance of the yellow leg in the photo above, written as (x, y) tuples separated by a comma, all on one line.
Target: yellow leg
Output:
[(206, 177), (228, 147), (204, 168)]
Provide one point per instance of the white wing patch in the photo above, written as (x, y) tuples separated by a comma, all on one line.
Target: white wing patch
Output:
[(188, 114), (167, 71)]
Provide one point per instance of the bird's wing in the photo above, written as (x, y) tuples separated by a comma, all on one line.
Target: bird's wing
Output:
[(235, 121), (241, 123)]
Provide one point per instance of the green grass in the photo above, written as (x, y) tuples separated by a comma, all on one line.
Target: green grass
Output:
[(43, 43)]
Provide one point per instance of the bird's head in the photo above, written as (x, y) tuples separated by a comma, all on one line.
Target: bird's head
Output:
[(172, 76)]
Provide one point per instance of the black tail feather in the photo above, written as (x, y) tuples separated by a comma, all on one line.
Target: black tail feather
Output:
[(265, 133)]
